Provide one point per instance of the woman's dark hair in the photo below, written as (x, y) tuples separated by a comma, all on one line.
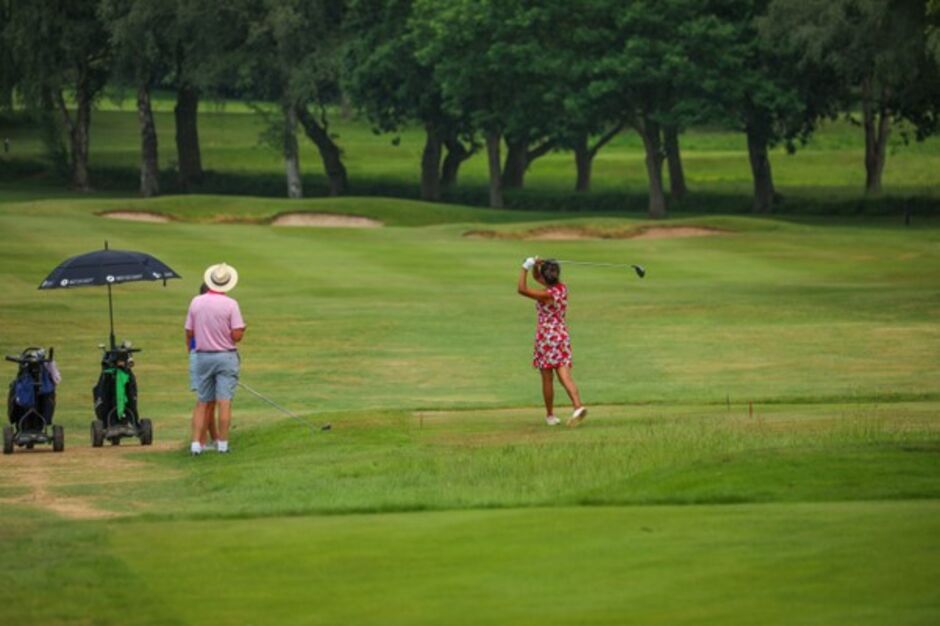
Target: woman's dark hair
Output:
[(550, 271), (203, 288)]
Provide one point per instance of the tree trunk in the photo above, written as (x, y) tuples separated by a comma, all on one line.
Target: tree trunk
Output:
[(652, 143), (760, 170), (677, 188), (516, 164), (292, 153), (187, 137), (78, 135), (518, 160), (492, 155), (584, 155), (431, 165), (583, 160), (51, 133), (329, 151), (456, 154), (877, 128), (149, 160)]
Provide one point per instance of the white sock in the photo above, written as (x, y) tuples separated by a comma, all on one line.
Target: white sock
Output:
[(221, 446)]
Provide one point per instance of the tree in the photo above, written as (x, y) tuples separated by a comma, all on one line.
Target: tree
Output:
[(138, 30), (933, 28), (879, 54), (9, 75), (590, 118), (59, 47), (745, 82), (386, 81), (644, 66), (205, 55), (295, 49), (487, 60)]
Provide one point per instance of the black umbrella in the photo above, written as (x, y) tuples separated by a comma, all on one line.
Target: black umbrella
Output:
[(107, 267)]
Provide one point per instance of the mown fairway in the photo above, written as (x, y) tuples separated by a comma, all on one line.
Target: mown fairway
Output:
[(440, 496)]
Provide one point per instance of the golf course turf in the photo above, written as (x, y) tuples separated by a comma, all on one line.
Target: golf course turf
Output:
[(763, 445)]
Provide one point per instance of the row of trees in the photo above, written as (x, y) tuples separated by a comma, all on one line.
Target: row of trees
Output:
[(530, 76)]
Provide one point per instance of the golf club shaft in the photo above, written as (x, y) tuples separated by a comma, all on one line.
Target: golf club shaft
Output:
[(277, 406), (596, 264)]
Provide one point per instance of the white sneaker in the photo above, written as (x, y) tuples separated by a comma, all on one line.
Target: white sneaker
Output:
[(195, 448), (551, 420), (222, 446), (577, 417)]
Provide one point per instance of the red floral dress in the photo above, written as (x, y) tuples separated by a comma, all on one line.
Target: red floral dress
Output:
[(552, 344)]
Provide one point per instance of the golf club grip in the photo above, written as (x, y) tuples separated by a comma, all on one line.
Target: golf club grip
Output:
[(12, 359)]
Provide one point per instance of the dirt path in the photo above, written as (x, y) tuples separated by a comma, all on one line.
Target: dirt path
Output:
[(44, 473)]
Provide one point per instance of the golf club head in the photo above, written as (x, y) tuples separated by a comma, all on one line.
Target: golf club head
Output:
[(639, 270)]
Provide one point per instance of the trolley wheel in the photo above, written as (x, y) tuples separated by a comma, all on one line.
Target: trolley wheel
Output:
[(146, 432), (8, 439), (97, 433), (58, 438), (29, 446), (115, 441)]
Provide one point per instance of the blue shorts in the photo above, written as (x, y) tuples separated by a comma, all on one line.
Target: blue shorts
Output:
[(216, 375)]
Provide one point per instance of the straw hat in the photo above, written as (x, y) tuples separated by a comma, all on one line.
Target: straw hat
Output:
[(221, 277)]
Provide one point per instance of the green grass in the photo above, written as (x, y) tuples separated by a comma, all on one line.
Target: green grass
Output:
[(867, 562), (762, 448), (828, 169)]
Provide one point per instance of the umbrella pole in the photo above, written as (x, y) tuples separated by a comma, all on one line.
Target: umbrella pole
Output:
[(111, 316)]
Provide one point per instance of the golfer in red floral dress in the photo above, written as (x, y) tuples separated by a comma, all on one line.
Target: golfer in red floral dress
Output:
[(552, 345)]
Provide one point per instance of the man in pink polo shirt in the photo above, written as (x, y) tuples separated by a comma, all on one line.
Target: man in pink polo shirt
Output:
[(215, 322)]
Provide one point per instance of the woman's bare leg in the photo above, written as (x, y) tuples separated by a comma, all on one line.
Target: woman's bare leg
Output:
[(199, 416), (213, 423), (225, 418), (564, 375), (209, 425), (548, 391)]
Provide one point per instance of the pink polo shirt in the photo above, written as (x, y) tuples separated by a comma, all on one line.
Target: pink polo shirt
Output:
[(212, 317)]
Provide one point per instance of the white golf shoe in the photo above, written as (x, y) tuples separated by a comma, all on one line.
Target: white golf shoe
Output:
[(577, 417), (551, 420)]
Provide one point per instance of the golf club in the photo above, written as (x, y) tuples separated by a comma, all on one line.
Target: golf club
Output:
[(277, 406), (640, 271)]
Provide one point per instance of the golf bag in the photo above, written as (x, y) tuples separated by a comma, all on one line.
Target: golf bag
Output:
[(115, 394), (31, 399)]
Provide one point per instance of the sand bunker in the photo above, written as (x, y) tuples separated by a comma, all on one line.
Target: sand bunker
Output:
[(569, 233), (325, 220), (661, 232), (137, 216)]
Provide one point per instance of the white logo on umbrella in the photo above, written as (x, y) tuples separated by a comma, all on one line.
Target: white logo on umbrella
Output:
[(109, 278), (156, 274), (64, 282)]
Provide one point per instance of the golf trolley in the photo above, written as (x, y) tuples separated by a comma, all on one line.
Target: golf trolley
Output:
[(115, 398), (31, 404)]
